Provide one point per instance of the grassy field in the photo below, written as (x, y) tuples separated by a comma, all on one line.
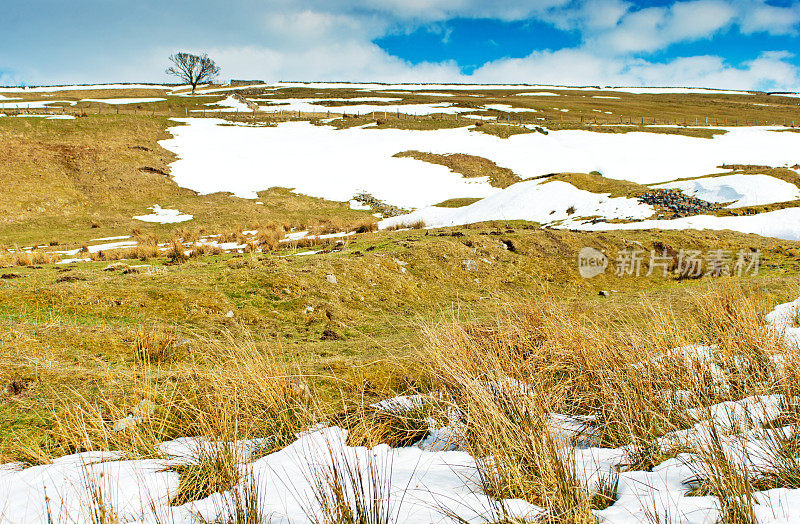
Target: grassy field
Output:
[(263, 342), (73, 332), (69, 181)]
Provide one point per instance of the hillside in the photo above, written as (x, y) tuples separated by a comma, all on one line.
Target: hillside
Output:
[(333, 302)]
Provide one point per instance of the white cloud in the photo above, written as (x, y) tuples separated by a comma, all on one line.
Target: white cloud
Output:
[(655, 28), (333, 40), (770, 71), (342, 61), (774, 20), (438, 10)]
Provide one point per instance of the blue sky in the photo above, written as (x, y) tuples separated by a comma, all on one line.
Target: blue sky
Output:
[(744, 44)]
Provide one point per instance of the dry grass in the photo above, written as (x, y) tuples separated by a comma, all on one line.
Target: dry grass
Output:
[(369, 426), (25, 258), (159, 345), (349, 489), (469, 166), (548, 357), (213, 469), (415, 224), (227, 392)]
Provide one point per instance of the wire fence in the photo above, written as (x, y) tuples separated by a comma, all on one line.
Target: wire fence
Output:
[(519, 118)]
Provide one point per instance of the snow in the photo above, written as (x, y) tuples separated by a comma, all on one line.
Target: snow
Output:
[(207, 90), (33, 104), (739, 190), (327, 99), (408, 87), (359, 206), (537, 93), (100, 247), (611, 97), (311, 105), (675, 90), (314, 160), (105, 239), (73, 260), (530, 200), (94, 87), (483, 87), (782, 223), (427, 481), (228, 105), (118, 101), (783, 318), (336, 164), (508, 108), (140, 490), (45, 116), (164, 216)]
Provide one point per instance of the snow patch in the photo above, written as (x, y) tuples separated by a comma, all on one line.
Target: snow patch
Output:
[(164, 216), (739, 190)]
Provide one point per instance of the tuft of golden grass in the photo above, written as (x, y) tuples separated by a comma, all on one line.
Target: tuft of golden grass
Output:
[(158, 345), (415, 224), (369, 426), (18, 257), (350, 491), (213, 469)]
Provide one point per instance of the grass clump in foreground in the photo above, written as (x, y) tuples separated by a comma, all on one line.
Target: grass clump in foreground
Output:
[(511, 377)]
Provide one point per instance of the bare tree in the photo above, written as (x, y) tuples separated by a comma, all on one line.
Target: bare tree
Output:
[(193, 69)]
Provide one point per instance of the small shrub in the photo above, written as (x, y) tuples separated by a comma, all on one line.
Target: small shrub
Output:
[(177, 252)]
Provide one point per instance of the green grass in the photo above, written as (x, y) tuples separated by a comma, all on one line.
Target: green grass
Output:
[(82, 335), (73, 180), (468, 166), (457, 202), (69, 181)]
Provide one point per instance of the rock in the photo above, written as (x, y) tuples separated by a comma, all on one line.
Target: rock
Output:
[(509, 245), (16, 387), (603, 293), (69, 278), (677, 203), (331, 279), (8, 276), (117, 265), (124, 423), (330, 334), (308, 310), (139, 414), (229, 314), (470, 265)]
